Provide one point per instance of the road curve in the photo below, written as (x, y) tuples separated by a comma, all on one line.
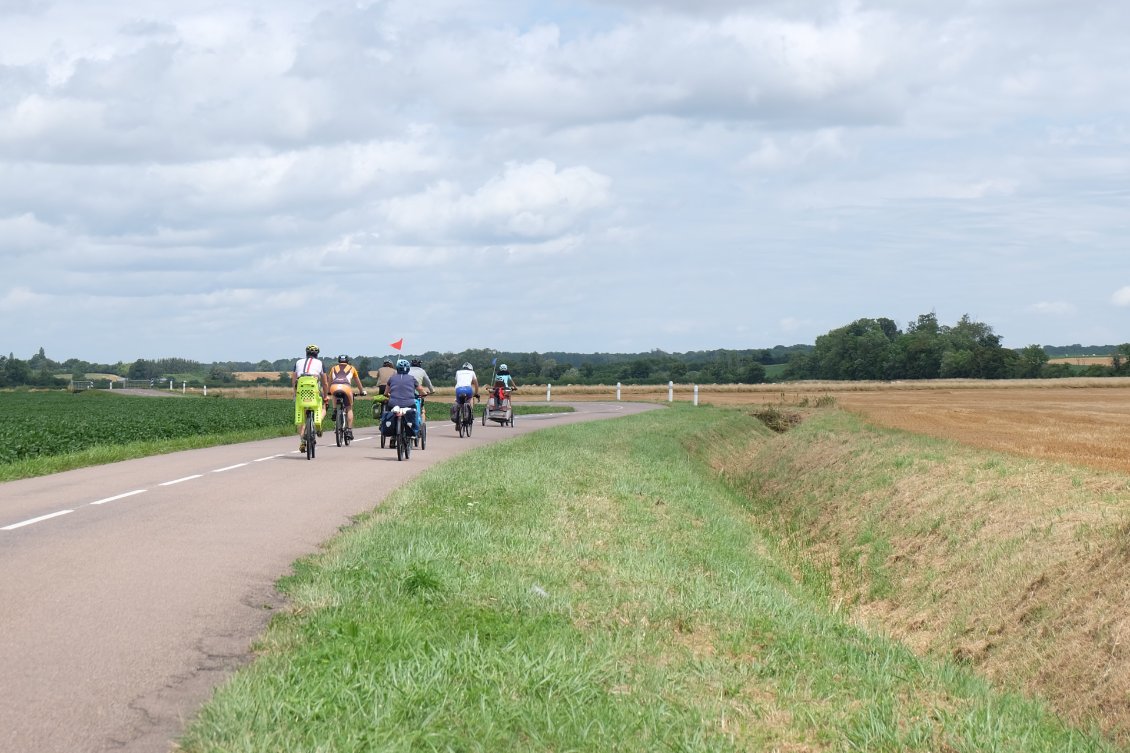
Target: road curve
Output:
[(129, 591)]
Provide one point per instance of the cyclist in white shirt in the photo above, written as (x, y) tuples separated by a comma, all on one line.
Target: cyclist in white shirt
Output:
[(310, 367), (466, 386)]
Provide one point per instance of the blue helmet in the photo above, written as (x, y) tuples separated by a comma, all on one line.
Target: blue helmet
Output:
[(402, 366)]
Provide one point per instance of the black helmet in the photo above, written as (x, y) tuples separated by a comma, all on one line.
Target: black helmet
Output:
[(312, 350), (402, 366), (417, 362), (343, 359)]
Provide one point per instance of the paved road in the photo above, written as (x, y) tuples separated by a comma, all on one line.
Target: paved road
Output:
[(128, 591)]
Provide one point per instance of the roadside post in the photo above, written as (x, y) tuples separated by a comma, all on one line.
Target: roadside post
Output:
[(617, 390), (670, 392), (696, 394), (548, 392)]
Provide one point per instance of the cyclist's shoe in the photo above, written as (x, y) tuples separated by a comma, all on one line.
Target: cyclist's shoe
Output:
[(334, 416), (318, 429), (302, 445), (349, 433)]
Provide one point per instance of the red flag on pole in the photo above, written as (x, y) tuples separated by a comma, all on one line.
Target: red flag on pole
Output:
[(398, 344)]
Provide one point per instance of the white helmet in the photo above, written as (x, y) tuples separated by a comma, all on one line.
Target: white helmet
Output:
[(468, 367)]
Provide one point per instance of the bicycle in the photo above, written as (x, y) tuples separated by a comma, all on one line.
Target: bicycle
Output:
[(378, 413), (402, 434), (465, 417), (340, 408), (420, 437), (308, 399), (342, 433)]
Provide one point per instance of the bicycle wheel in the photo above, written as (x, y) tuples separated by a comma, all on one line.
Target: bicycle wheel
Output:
[(339, 424), (401, 440), (468, 418), (311, 435), (423, 436)]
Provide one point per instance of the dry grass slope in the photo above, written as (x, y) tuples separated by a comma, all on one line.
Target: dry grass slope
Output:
[(986, 552)]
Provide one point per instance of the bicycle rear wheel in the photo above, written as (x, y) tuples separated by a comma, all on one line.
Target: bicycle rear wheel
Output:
[(339, 424), (311, 435)]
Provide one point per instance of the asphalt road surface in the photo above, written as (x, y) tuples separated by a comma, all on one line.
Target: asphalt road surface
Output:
[(129, 591)]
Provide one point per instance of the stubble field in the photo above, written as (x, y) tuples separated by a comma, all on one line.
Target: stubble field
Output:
[(1084, 421)]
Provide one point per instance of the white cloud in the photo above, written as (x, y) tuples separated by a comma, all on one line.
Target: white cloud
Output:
[(1121, 297), (1053, 308), (527, 203)]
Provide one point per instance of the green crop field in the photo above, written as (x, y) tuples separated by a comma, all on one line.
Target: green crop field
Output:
[(44, 424), (50, 431)]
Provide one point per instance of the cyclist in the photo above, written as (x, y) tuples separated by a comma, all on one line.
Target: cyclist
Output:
[(417, 370), (309, 369), (504, 384), (386, 370), (466, 385), (403, 389), (341, 379)]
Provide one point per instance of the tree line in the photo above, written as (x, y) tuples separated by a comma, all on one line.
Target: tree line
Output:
[(866, 349), (870, 349)]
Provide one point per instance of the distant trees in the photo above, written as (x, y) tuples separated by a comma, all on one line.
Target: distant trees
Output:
[(877, 349), (866, 349), (16, 373)]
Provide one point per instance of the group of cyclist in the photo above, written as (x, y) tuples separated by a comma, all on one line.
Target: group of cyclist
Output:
[(400, 384)]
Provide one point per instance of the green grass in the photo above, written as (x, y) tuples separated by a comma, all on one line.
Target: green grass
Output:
[(602, 591)]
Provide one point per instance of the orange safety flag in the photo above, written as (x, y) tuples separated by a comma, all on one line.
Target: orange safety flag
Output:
[(398, 344)]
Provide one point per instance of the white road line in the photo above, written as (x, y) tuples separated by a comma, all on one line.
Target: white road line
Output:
[(14, 526), (178, 480), (230, 467), (119, 496), (361, 439), (269, 457)]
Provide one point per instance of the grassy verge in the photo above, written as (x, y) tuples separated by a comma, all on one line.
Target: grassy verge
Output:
[(1010, 566), (602, 590)]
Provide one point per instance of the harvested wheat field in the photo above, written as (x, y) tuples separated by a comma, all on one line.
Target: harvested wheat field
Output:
[(1075, 420)]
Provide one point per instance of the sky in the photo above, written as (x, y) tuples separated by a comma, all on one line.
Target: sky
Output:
[(235, 180)]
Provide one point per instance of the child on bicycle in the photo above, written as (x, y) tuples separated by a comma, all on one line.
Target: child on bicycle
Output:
[(341, 379), (309, 371)]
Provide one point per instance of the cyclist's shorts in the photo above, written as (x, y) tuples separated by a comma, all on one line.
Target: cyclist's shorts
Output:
[(344, 391), (464, 393)]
